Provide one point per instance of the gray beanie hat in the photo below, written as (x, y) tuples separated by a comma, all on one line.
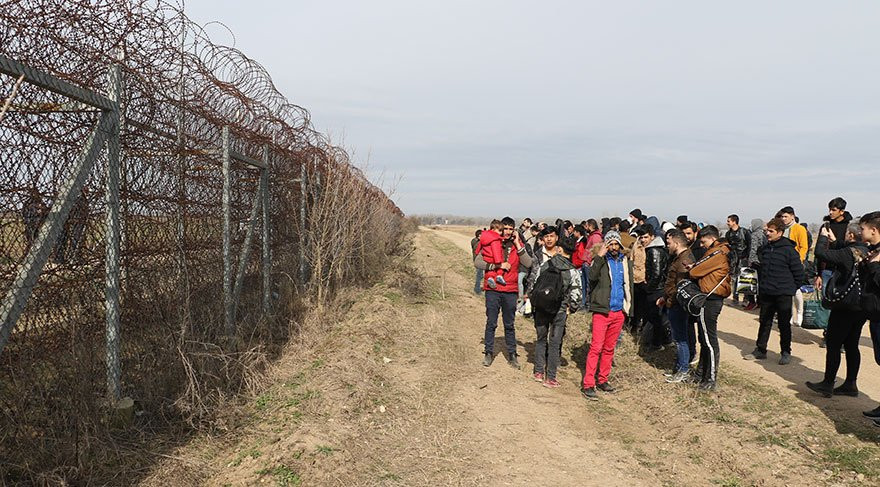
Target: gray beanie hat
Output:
[(613, 236)]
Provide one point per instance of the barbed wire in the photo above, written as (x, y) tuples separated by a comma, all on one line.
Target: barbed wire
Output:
[(180, 89)]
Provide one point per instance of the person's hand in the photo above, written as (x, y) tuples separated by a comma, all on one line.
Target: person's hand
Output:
[(661, 302), (505, 266), (516, 241), (602, 250), (818, 282)]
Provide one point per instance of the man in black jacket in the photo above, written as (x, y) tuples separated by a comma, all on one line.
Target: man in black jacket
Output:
[(738, 238), (780, 275), (656, 258)]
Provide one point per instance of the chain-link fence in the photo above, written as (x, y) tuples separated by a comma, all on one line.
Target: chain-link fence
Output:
[(155, 189)]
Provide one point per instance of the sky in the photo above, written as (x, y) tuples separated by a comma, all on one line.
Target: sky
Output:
[(582, 109)]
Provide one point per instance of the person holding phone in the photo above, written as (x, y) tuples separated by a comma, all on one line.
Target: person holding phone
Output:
[(611, 301)]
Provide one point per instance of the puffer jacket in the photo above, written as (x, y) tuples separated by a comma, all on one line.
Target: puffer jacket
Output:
[(656, 259), (571, 280), (676, 271), (714, 269), (781, 272), (600, 284)]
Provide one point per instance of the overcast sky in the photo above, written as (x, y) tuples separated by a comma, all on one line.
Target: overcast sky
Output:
[(585, 108)]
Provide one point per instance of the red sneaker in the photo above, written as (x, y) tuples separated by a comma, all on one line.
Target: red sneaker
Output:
[(551, 383), (750, 306), (539, 377)]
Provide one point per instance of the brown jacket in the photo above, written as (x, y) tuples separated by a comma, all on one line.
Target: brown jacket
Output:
[(637, 255), (626, 240), (676, 272), (709, 271)]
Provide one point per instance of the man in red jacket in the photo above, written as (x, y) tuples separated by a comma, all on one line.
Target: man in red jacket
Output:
[(503, 297)]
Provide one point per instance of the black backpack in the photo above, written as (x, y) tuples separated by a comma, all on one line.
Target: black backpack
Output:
[(547, 293)]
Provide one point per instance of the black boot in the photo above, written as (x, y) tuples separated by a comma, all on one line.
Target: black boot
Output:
[(822, 388), (846, 389)]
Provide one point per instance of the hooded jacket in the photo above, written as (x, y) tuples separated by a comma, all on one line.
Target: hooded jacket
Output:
[(781, 272), (594, 238), (600, 284), (511, 256), (655, 224), (580, 253), (490, 247), (571, 280), (656, 259), (758, 239), (712, 270)]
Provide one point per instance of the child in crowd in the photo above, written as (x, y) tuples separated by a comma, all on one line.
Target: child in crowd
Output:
[(490, 249)]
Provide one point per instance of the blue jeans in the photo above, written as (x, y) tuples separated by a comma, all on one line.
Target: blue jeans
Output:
[(678, 321), (520, 286), (478, 283), (506, 304)]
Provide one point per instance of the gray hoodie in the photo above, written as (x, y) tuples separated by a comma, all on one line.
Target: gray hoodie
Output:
[(758, 239)]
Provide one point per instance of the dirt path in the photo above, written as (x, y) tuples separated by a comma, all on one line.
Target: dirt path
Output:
[(737, 332), (393, 393)]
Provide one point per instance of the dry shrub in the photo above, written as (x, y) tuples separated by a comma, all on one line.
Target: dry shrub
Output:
[(352, 231)]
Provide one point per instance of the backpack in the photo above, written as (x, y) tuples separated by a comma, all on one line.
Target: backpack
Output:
[(547, 293)]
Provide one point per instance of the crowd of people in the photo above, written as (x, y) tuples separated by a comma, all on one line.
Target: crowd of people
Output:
[(666, 283)]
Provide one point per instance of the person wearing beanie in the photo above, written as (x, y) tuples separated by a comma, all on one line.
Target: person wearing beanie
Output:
[(611, 302), (636, 217)]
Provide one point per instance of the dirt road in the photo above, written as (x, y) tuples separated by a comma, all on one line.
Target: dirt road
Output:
[(394, 393), (737, 330)]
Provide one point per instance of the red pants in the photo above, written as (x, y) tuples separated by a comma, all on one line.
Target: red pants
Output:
[(606, 330)]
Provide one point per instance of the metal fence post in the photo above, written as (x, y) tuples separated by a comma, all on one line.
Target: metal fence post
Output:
[(302, 223), (111, 291), (227, 233), (267, 258), (29, 271)]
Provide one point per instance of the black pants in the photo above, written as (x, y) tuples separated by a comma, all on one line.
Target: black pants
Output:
[(506, 303), (656, 320), (710, 354), (779, 306), (844, 328), (547, 355), (692, 336), (640, 299)]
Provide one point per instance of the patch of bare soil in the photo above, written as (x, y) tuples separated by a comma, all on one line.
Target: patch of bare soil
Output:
[(391, 392)]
